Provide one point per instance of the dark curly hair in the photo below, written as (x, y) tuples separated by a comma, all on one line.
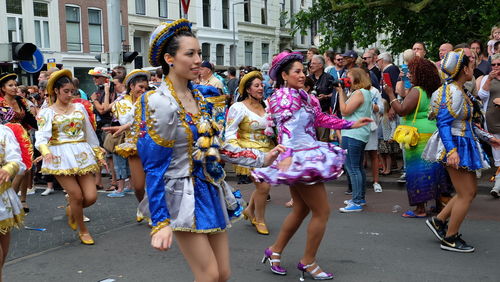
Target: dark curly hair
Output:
[(424, 74)]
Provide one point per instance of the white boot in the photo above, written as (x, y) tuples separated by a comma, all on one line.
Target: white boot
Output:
[(495, 192)]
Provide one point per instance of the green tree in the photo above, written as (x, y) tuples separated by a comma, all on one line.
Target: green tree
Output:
[(404, 22)]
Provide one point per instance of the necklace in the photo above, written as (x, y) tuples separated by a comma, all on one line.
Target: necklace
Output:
[(64, 111)]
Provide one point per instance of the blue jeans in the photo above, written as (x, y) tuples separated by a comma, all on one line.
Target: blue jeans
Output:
[(121, 167), (354, 166)]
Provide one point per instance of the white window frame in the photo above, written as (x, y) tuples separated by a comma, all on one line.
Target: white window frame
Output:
[(145, 8), (19, 31), (102, 31), (19, 35), (159, 9), (41, 20), (80, 25)]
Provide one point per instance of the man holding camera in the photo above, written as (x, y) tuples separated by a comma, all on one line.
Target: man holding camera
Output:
[(103, 95), (323, 89)]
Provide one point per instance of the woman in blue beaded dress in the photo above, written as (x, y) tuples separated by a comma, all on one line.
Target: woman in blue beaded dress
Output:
[(178, 143), (456, 145)]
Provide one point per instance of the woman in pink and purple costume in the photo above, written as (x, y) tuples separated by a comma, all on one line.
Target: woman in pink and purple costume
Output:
[(305, 165)]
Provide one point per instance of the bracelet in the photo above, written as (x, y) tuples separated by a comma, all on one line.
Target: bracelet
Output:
[(392, 101)]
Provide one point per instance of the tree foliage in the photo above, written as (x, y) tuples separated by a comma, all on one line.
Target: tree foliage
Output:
[(404, 22)]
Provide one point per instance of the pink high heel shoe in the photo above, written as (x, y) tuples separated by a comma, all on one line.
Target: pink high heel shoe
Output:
[(316, 274), (277, 269)]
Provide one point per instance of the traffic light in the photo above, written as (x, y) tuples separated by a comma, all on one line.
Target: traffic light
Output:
[(128, 57), (103, 58), (23, 51)]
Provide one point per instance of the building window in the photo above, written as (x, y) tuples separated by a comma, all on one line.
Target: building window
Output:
[(95, 31), (206, 13), (140, 7), (246, 8), (225, 14), (163, 4), (263, 13), (15, 21), (41, 13), (219, 52), (73, 35), (265, 53), (14, 7), (205, 51), (248, 53)]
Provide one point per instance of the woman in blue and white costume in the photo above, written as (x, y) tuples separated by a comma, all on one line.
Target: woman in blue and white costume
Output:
[(178, 144), (456, 145)]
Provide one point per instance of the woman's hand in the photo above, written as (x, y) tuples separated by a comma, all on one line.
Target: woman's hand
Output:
[(285, 164), (453, 160), (496, 101), (361, 122), (116, 130), (162, 240), (272, 155), (389, 90), (4, 176), (48, 158)]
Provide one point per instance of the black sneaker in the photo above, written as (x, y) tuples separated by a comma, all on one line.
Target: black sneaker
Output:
[(348, 192), (268, 198), (437, 227), (455, 243)]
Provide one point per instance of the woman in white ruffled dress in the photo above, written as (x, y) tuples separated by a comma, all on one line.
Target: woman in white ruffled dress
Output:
[(11, 210), (70, 149)]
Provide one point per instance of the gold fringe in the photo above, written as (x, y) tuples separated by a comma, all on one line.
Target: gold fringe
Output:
[(11, 168), (72, 171), (7, 224), (126, 150)]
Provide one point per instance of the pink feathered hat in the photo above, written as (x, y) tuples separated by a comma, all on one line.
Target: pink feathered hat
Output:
[(282, 59)]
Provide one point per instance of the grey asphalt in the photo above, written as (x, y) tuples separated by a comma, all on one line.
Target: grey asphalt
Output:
[(375, 245)]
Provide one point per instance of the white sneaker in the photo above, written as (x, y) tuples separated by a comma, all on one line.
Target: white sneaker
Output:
[(47, 192), (85, 219), (402, 178), (31, 191), (377, 188)]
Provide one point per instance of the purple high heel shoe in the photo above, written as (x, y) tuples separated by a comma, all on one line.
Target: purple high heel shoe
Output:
[(277, 269), (314, 273)]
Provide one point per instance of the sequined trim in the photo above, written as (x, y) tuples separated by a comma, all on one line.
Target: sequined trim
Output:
[(150, 122), (7, 224), (12, 168), (56, 142), (72, 171), (44, 149), (451, 152), (182, 116), (99, 153), (159, 226)]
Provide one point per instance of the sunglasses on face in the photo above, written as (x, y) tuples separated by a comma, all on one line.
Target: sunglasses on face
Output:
[(365, 58), (495, 65), (341, 59)]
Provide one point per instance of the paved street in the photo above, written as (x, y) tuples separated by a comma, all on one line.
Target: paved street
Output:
[(376, 245)]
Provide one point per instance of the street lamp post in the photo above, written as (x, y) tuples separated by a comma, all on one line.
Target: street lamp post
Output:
[(233, 55)]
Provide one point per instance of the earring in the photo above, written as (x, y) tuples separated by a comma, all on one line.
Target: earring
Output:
[(171, 65), (286, 83)]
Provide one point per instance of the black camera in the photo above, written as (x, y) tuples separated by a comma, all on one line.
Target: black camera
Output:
[(343, 82), (111, 87)]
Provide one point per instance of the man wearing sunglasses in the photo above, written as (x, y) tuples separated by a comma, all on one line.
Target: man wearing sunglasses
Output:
[(369, 59)]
